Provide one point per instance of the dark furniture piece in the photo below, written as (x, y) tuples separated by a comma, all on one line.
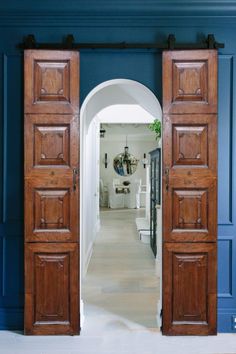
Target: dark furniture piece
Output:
[(155, 194)]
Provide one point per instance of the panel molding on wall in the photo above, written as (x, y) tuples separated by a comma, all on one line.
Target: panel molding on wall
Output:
[(11, 196), (11, 286), (2, 274), (3, 130), (11, 182), (225, 140), (1, 137), (225, 261)]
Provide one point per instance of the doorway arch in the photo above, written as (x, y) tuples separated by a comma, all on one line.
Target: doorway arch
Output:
[(114, 92)]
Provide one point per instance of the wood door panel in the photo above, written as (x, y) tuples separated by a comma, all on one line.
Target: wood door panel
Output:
[(189, 191), (190, 210), (51, 193), (52, 144), (51, 288), (51, 276), (51, 89), (189, 283), (52, 211), (51, 80), (191, 141), (192, 83), (190, 145)]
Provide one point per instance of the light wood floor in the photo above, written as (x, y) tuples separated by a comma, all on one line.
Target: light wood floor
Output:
[(121, 289)]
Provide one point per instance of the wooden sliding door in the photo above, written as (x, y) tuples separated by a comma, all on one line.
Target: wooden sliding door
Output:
[(189, 192), (51, 192)]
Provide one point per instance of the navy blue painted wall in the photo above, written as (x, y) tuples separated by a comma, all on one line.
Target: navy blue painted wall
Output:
[(114, 21)]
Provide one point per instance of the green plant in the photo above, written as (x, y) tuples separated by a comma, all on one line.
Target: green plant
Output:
[(156, 128)]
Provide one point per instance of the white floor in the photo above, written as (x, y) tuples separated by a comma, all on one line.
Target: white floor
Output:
[(120, 294), (121, 288)]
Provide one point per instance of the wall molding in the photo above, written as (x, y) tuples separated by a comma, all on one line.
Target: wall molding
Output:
[(154, 17), (228, 274), (225, 138), (161, 7)]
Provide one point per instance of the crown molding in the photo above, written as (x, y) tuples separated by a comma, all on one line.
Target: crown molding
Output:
[(162, 7), (103, 13), (78, 20)]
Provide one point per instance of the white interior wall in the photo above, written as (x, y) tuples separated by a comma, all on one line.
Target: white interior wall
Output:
[(91, 185), (119, 92)]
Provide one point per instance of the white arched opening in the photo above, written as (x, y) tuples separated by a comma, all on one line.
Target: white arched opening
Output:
[(134, 103)]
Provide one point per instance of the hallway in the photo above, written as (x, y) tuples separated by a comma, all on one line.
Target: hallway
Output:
[(121, 289)]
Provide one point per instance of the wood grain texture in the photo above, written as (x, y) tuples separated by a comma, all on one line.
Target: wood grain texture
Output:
[(52, 210), (190, 206), (51, 192), (52, 145), (189, 192), (189, 289), (190, 144), (192, 83), (54, 84), (51, 288)]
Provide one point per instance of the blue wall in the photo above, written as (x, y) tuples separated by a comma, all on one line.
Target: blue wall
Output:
[(116, 21)]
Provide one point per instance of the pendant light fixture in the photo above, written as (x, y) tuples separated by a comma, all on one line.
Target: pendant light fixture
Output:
[(126, 149), (124, 163)]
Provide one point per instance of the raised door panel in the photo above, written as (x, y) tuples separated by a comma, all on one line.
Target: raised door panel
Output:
[(189, 301), (189, 145), (51, 89), (52, 145), (51, 289), (190, 81), (190, 210), (52, 212)]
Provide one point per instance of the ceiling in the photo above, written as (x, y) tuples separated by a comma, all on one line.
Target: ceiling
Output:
[(118, 132)]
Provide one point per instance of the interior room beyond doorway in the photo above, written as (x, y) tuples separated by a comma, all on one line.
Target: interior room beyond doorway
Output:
[(119, 268)]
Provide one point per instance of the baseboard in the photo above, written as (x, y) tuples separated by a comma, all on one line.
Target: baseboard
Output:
[(11, 319)]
